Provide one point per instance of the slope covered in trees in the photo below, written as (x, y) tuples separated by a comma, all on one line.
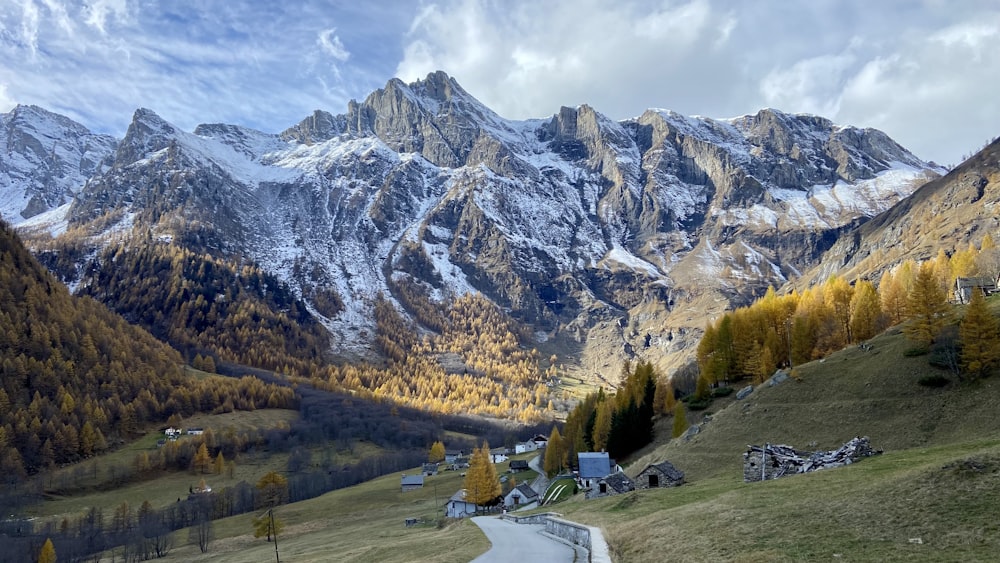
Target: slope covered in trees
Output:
[(200, 303), (77, 379), (791, 329)]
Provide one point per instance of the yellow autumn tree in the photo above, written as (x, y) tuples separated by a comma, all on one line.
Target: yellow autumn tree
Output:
[(482, 485), (927, 307), (979, 333), (47, 553), (866, 311), (437, 452)]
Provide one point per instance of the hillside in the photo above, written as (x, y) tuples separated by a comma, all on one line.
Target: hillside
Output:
[(937, 479), (78, 380)]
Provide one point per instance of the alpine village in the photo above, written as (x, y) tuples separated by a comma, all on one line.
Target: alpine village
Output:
[(373, 334)]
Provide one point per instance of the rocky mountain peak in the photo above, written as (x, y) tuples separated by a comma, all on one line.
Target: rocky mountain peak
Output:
[(577, 224), (148, 133), (318, 127), (46, 159)]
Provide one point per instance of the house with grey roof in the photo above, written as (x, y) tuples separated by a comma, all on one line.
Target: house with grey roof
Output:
[(411, 482), (592, 466), (609, 485), (459, 507), (521, 496)]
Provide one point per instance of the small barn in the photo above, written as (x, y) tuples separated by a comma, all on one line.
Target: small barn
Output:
[(458, 507), (657, 475), (430, 469), (614, 484), (965, 286), (518, 465), (411, 482), (540, 441), (521, 496), (451, 455)]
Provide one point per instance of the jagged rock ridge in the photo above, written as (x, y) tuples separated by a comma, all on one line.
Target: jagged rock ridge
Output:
[(616, 236)]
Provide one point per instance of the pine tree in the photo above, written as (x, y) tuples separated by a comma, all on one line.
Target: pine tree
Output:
[(437, 452), (979, 333), (48, 552)]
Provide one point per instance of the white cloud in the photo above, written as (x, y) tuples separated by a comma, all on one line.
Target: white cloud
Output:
[(29, 25), (810, 86), (526, 59), (331, 45), (7, 103), (98, 11)]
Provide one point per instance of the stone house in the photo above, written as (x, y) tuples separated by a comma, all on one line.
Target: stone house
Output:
[(451, 455), (656, 475), (525, 447), (430, 469), (521, 496), (965, 286), (613, 484)]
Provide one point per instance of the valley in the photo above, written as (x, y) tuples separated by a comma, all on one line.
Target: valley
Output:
[(328, 303)]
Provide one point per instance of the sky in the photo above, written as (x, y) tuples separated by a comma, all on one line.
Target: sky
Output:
[(925, 72)]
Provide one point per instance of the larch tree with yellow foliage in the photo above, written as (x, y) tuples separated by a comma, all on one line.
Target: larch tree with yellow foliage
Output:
[(47, 553), (927, 307), (437, 452), (866, 311), (482, 484), (979, 333)]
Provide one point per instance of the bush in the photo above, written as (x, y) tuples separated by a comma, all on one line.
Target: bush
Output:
[(722, 391), (697, 404), (935, 380), (914, 352)]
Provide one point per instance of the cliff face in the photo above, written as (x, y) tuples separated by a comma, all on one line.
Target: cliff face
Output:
[(612, 240), (45, 159)]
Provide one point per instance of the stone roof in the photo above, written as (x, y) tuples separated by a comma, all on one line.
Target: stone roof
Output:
[(619, 482), (527, 493)]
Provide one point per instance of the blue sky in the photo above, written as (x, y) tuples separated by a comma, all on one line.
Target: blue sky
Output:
[(926, 72)]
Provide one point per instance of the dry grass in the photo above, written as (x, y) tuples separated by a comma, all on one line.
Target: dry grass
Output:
[(360, 523), (938, 484)]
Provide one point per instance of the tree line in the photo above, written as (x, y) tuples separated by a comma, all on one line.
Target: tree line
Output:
[(787, 330)]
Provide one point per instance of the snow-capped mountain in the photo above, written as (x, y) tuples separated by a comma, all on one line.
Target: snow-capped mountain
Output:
[(45, 159), (616, 237)]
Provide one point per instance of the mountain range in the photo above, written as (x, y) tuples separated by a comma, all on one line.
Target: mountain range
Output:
[(607, 240)]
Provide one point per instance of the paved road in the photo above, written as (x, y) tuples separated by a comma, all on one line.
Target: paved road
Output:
[(541, 483), (520, 542)]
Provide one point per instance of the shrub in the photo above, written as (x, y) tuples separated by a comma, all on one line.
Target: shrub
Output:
[(934, 380), (918, 351), (722, 391)]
